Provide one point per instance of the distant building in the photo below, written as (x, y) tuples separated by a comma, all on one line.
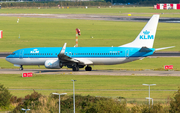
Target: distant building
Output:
[(167, 6)]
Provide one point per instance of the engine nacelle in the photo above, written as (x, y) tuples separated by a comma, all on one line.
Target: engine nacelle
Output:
[(53, 64)]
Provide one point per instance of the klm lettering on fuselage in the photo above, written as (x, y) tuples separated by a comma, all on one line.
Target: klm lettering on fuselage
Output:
[(34, 51), (146, 35)]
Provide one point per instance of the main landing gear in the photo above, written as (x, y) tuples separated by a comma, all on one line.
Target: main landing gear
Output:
[(75, 67), (88, 68), (21, 68)]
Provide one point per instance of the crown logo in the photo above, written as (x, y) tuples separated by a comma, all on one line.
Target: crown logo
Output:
[(146, 32)]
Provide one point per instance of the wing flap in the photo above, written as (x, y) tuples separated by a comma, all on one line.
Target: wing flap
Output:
[(85, 61)]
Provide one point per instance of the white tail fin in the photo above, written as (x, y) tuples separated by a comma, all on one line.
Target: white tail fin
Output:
[(147, 35)]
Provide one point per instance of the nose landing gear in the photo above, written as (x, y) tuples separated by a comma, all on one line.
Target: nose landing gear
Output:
[(21, 68)]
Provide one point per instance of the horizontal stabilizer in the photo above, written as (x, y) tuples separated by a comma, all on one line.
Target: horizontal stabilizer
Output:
[(164, 48), (145, 49)]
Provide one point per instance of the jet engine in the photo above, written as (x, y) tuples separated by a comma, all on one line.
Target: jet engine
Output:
[(53, 64)]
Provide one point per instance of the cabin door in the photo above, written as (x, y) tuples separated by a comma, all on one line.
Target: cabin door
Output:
[(21, 53), (127, 53)]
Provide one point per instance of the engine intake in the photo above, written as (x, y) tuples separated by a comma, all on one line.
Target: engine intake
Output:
[(53, 64)]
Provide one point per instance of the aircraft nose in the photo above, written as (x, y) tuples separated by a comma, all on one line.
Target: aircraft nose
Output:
[(7, 59)]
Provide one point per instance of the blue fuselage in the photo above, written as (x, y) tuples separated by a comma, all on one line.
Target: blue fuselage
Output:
[(98, 55)]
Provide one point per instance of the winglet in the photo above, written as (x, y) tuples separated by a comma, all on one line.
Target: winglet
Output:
[(63, 49), (164, 48)]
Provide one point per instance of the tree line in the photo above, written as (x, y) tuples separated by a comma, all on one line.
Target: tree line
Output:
[(38, 103), (55, 4), (52, 3)]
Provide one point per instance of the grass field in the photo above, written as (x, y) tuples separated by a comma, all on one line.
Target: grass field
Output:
[(41, 32), (45, 32), (92, 85), (121, 11)]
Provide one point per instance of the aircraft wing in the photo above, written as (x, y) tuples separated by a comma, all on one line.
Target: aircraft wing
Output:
[(68, 60)]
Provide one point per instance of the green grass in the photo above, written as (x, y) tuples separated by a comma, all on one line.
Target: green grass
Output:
[(45, 32), (121, 11), (41, 32), (92, 85)]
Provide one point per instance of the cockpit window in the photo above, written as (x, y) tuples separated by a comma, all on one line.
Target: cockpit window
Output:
[(13, 54)]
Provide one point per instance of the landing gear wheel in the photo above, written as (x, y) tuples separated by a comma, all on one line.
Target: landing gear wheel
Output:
[(21, 68), (75, 68), (88, 68)]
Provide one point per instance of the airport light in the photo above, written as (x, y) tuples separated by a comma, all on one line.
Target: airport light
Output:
[(25, 110), (59, 99), (74, 94), (149, 90), (150, 99)]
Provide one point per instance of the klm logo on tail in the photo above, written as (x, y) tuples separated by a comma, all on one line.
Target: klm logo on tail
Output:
[(146, 35)]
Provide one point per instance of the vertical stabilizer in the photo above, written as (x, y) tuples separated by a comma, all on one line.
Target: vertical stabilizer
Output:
[(147, 35)]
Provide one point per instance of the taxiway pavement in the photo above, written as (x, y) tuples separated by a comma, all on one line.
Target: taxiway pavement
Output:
[(93, 72), (95, 17)]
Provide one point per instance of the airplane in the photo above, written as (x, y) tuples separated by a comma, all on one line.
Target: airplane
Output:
[(80, 57)]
